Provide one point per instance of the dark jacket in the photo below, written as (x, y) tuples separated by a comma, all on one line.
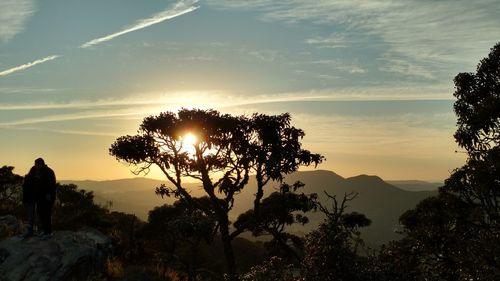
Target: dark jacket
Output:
[(38, 184), (28, 189)]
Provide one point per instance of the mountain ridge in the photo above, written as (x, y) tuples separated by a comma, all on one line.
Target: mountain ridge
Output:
[(380, 201)]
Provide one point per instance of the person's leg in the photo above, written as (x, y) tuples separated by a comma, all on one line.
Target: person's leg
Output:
[(48, 229), (42, 214), (30, 216), (45, 214)]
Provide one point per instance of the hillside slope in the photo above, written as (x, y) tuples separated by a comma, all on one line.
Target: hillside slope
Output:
[(380, 201)]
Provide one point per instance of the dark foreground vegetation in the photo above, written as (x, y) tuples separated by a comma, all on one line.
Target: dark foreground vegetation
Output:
[(452, 236)]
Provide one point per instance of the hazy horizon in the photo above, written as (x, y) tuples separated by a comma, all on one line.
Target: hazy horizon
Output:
[(190, 180), (370, 83)]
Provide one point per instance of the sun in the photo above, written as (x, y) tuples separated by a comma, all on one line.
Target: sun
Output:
[(188, 142), (189, 139)]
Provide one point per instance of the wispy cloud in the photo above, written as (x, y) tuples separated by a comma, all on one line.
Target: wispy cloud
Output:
[(155, 102), (424, 37), (406, 67), (339, 65), (95, 114), (328, 42), (174, 99), (28, 90), (13, 17), (181, 8), (70, 132), (27, 65), (13, 13), (75, 105)]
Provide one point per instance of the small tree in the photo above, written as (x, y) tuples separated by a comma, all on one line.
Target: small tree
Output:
[(331, 250), (223, 153), (279, 210), (175, 234), (10, 189), (75, 208)]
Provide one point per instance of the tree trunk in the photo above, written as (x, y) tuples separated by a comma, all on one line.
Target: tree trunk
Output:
[(228, 249)]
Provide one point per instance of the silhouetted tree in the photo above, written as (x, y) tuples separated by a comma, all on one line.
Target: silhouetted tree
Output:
[(331, 250), (227, 150), (456, 235), (75, 208), (278, 210), (10, 190), (477, 106), (276, 269), (175, 234), (125, 231)]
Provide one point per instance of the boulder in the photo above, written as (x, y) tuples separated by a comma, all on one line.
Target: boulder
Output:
[(9, 225), (68, 255)]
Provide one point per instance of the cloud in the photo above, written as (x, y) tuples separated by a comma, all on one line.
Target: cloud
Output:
[(426, 38), (27, 65), (71, 132), (95, 114), (328, 42), (174, 99), (155, 102), (75, 105), (339, 65), (14, 12), (13, 17), (181, 8), (405, 67), (27, 90)]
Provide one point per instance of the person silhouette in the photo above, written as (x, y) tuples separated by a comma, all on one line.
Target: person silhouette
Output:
[(29, 203), (39, 192)]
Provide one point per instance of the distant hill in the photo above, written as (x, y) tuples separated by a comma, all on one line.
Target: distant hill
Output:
[(380, 201), (135, 196), (415, 185)]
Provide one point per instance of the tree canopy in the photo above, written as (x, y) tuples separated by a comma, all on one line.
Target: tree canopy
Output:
[(226, 151), (478, 106), (10, 189), (456, 235)]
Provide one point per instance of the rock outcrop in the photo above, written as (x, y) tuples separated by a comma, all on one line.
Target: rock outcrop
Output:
[(9, 225), (67, 255)]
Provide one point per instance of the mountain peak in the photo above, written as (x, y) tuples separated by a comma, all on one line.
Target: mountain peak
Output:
[(364, 177), (324, 173)]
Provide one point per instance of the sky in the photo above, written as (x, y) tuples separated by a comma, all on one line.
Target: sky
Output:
[(370, 82)]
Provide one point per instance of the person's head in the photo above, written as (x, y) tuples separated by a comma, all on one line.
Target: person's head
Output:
[(39, 163)]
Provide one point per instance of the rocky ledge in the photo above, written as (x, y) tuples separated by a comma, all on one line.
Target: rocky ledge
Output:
[(9, 225), (68, 255)]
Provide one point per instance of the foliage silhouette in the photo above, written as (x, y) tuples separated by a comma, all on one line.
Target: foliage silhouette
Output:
[(176, 234), (330, 252), (456, 235), (75, 208), (278, 210), (228, 149), (477, 106), (10, 190)]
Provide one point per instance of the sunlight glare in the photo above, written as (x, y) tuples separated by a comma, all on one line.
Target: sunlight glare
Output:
[(189, 140)]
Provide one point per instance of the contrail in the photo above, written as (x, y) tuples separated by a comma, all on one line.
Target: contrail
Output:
[(27, 65), (180, 8)]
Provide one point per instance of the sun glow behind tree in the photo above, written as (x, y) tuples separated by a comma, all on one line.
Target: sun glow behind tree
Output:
[(225, 145), (188, 143)]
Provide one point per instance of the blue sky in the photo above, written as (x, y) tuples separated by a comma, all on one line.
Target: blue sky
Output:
[(370, 82)]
